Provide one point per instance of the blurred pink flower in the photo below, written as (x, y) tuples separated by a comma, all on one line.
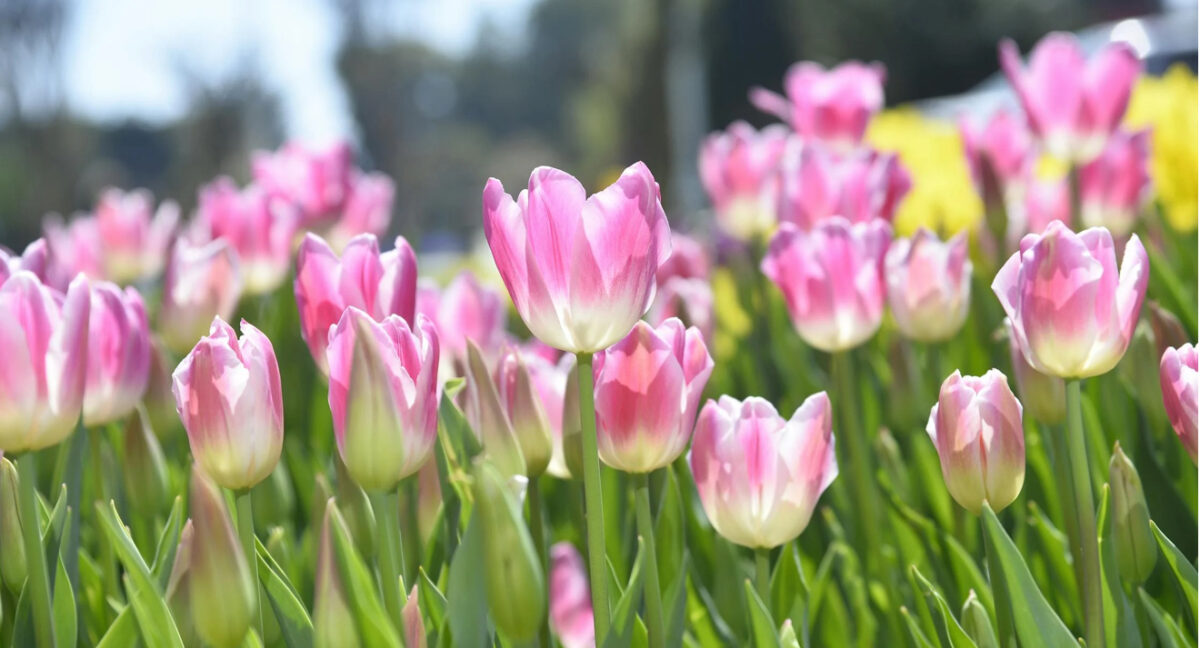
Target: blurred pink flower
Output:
[(1000, 154), (134, 237), (202, 282), (118, 365), (74, 248), (1178, 374), (818, 183), (929, 285), (833, 106), (316, 180), (689, 259), (368, 209), (260, 228), (571, 613), (691, 300), (1115, 187), (739, 168), (34, 259)]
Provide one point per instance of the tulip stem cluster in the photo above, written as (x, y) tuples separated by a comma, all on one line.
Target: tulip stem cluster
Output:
[(1086, 548), (593, 499), (245, 529), (655, 628), (38, 580), (387, 511)]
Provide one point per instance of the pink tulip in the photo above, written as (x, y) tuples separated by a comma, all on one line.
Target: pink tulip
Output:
[(368, 209), (580, 270), (227, 393), (570, 599), (202, 282), (1177, 371), (467, 310), (929, 285), (383, 393), (859, 186), (1071, 103), (1000, 154), (740, 171), (44, 346), (258, 227), (689, 259), (34, 259), (1044, 200), (690, 300), (378, 284), (833, 106), (531, 392), (832, 279), (976, 427), (758, 475), (1115, 187), (133, 235), (74, 248), (118, 366), (1045, 397), (316, 180), (648, 386), (1072, 314)]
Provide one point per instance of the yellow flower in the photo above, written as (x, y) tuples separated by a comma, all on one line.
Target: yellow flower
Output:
[(1167, 104), (943, 198)]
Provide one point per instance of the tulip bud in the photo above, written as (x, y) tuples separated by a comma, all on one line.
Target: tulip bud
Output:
[(12, 544), (549, 380), (929, 285), (1044, 397), (145, 468), (513, 578), (179, 594), (488, 418), (468, 310), (356, 510), (787, 635), (1133, 541), (383, 394), (414, 625), (647, 388), (571, 613), (118, 365), (318, 181), (334, 625), (572, 426), (976, 428), (977, 624), (1177, 372), (228, 395), (526, 412), (222, 589), (1168, 330), (368, 209), (202, 282)]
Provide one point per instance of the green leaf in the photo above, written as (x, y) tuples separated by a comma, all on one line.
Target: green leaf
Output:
[(361, 592), (763, 626), (1034, 620), (295, 626), (1185, 573), (950, 632), (1120, 624), (1169, 634), (1055, 550), (466, 600), (168, 544), (63, 606), (432, 602), (149, 605), (624, 616), (787, 586), (676, 604), (122, 633), (914, 630)]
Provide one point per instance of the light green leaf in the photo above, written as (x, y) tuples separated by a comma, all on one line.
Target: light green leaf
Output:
[(624, 615), (1184, 572), (361, 591), (149, 605), (466, 600), (295, 626), (950, 632), (766, 635)]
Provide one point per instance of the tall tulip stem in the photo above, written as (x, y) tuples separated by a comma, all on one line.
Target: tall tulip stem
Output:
[(762, 573), (858, 448), (245, 529), (655, 629), (38, 579), (594, 499), (387, 513), (1085, 548)]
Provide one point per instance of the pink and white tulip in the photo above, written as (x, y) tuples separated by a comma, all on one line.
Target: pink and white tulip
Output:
[(259, 227), (571, 614), (1115, 187), (228, 395), (832, 279), (1178, 374), (580, 270), (1072, 313), (690, 300), (368, 209), (74, 248), (759, 476), (1000, 154), (739, 168), (1042, 201), (525, 403), (976, 428), (317, 180), (383, 392), (818, 183), (468, 310), (689, 259), (929, 285), (326, 285), (202, 282), (1044, 397), (1072, 104), (34, 259), (833, 106), (133, 235), (648, 387), (43, 340), (118, 366)]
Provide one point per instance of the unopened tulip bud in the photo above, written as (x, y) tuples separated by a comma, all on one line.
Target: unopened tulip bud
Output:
[(819, 183), (356, 510), (145, 468), (572, 430), (526, 411), (1044, 397), (414, 625), (118, 364), (571, 613), (1133, 541), (333, 621), (12, 545), (179, 594), (513, 577), (929, 285), (787, 635), (976, 428), (133, 241), (977, 624), (1168, 330), (488, 418), (1177, 372), (222, 589)]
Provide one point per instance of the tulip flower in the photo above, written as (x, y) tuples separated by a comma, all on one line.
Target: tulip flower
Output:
[(689, 260), (202, 282), (818, 183), (259, 227), (1043, 201), (34, 259), (45, 350), (118, 365), (580, 271), (316, 180), (133, 236), (833, 106), (490, 422), (832, 279), (368, 209), (929, 285), (467, 310), (690, 300), (976, 428), (1072, 103), (383, 393), (74, 248), (1115, 187), (999, 151), (227, 393), (1044, 397), (758, 475), (220, 577), (526, 410), (377, 284), (1177, 372), (740, 171), (549, 379), (1072, 313), (648, 387), (570, 603), (1134, 545)]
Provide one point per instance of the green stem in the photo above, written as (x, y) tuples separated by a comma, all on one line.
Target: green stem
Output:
[(38, 581), (1086, 548), (846, 398), (655, 628), (594, 511), (1004, 613), (537, 528), (245, 529), (108, 557), (387, 524), (762, 573)]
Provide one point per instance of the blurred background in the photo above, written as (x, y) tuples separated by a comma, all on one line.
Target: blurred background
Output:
[(442, 94)]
